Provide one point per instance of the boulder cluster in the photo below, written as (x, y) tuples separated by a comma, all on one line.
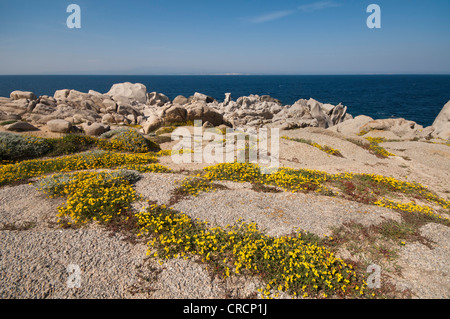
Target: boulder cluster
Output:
[(130, 104)]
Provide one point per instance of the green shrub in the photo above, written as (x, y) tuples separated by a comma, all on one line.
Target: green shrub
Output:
[(111, 133), (70, 144), (128, 141), (14, 147)]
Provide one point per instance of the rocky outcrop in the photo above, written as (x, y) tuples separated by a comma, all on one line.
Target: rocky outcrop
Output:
[(260, 111), (441, 124), (393, 128), (129, 103)]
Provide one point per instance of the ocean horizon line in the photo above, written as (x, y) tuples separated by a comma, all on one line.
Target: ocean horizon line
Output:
[(239, 74)]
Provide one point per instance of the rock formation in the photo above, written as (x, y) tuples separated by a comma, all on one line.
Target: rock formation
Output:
[(130, 104), (441, 124)]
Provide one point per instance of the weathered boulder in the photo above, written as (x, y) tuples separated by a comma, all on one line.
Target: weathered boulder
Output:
[(227, 99), (174, 113), (43, 109), (61, 94), (399, 126), (157, 99), (93, 92), (109, 105), (21, 127), (199, 111), (322, 119), (119, 118), (180, 99), (47, 100), (131, 119), (352, 126), (31, 105), (14, 117), (200, 97), (77, 95), (108, 119), (59, 126), (134, 91), (441, 124), (337, 113), (95, 129), (17, 95), (152, 123)]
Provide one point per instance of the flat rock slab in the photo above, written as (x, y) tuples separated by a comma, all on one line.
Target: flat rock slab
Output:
[(425, 270), (281, 213), (158, 186), (24, 204), (34, 264)]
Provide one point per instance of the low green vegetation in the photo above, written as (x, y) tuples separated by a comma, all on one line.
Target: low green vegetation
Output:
[(14, 147)]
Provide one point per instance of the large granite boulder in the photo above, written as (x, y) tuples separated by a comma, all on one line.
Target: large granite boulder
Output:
[(393, 128), (200, 97), (157, 99), (180, 99), (352, 126), (153, 123), (173, 114), (133, 91), (21, 127), (200, 111), (95, 129), (59, 126), (441, 124), (17, 95), (61, 94)]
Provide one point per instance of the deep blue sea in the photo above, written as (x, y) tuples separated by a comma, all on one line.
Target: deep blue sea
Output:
[(414, 97)]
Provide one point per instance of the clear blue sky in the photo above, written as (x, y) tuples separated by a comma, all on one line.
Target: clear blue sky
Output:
[(224, 36)]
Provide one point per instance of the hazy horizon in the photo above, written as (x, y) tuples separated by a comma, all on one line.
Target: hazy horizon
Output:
[(175, 37)]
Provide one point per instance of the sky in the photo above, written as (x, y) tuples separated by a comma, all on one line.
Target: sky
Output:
[(224, 37)]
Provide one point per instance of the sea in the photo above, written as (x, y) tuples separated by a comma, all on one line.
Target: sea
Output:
[(418, 98)]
